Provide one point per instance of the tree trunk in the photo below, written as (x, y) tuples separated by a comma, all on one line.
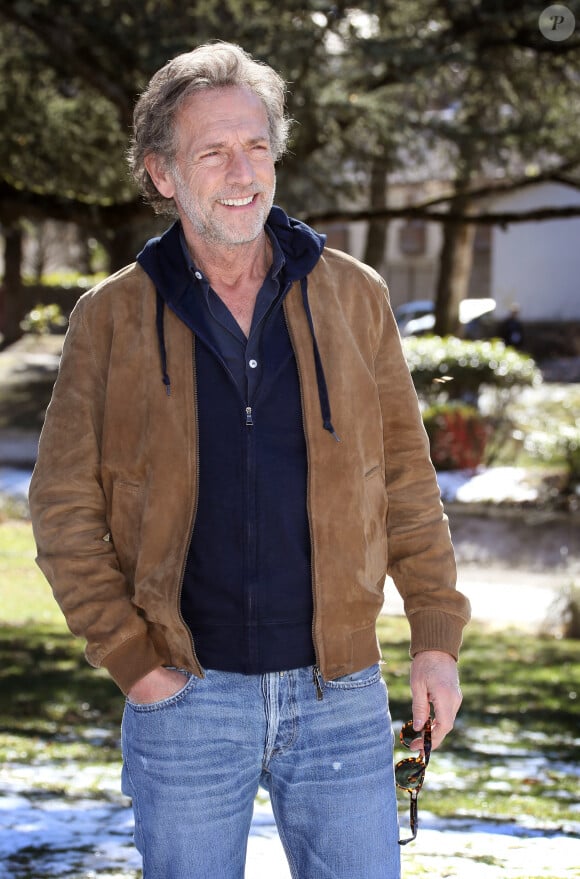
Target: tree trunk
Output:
[(455, 264), (117, 243), (124, 241), (12, 309), (376, 240)]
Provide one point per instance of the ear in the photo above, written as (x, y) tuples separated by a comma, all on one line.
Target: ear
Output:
[(160, 175)]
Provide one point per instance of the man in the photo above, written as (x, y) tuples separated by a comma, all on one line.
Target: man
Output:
[(511, 329), (232, 461)]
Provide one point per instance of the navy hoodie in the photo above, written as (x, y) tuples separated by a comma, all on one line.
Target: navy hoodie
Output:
[(247, 588)]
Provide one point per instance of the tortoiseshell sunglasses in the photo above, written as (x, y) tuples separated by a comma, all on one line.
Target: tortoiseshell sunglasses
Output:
[(410, 773)]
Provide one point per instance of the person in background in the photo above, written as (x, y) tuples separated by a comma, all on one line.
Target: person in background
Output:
[(511, 329), (232, 461)]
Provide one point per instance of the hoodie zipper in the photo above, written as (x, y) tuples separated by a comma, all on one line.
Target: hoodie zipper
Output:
[(317, 678), (251, 530)]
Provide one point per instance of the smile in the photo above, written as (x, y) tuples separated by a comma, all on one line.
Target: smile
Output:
[(236, 202)]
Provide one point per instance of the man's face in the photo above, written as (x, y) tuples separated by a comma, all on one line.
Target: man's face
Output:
[(223, 177)]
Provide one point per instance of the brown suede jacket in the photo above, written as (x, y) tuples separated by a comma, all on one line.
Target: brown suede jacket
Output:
[(116, 450)]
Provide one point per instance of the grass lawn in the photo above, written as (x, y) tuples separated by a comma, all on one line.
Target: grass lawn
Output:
[(25, 595), (512, 758)]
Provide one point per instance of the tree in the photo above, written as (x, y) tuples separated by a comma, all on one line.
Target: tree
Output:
[(381, 91), (472, 110)]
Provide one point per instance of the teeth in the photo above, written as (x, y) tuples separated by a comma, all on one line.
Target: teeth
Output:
[(236, 202)]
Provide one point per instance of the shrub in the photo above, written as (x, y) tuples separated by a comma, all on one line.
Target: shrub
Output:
[(558, 442), (44, 319), (457, 368), (458, 436)]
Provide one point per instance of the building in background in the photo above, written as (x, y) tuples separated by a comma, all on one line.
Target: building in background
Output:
[(533, 264)]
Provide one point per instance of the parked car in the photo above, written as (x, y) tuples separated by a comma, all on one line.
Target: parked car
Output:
[(476, 315), (410, 311)]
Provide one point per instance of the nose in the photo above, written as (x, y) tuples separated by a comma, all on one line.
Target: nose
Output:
[(240, 169)]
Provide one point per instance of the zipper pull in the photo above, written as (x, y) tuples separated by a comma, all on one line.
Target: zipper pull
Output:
[(249, 419), (317, 681)]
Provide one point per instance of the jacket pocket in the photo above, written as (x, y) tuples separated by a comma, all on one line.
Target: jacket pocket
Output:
[(125, 525), (374, 518)]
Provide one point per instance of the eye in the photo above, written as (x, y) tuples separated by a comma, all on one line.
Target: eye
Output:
[(260, 149), (211, 157)]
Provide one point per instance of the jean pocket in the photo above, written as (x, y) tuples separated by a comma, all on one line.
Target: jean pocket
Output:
[(363, 678), (140, 707)]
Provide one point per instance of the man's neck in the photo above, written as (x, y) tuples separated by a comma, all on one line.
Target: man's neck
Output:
[(235, 273), (232, 267)]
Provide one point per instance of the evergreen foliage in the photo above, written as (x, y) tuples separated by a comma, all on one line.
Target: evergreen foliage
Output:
[(457, 368)]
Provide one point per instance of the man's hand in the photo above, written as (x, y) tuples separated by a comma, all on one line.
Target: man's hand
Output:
[(159, 684), (434, 679)]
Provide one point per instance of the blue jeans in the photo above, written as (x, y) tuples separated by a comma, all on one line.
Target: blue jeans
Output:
[(193, 764)]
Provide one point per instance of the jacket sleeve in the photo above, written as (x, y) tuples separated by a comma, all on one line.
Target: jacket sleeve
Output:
[(421, 556), (68, 509)]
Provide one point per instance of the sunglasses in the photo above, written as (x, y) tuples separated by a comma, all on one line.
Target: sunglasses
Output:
[(410, 773)]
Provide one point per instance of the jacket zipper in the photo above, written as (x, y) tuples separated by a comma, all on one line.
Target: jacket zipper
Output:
[(317, 678), (192, 515), (318, 682)]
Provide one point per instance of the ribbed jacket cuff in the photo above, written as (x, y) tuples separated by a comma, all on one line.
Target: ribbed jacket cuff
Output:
[(130, 662), (433, 630)]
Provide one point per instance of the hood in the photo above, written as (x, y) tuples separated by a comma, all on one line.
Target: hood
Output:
[(163, 260), (162, 257)]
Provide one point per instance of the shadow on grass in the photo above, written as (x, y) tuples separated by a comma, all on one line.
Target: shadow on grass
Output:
[(48, 688), (518, 686), (529, 683)]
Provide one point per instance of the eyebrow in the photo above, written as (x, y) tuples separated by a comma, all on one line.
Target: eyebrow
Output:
[(219, 144), (211, 146)]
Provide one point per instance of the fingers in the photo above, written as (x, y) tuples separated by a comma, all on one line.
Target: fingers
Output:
[(435, 680)]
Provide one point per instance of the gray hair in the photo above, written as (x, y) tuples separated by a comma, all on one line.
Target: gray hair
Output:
[(211, 66)]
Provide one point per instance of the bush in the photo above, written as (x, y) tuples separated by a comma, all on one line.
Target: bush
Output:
[(560, 443), (44, 319), (457, 368), (458, 436)]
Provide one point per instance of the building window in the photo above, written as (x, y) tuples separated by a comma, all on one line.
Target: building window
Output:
[(413, 238)]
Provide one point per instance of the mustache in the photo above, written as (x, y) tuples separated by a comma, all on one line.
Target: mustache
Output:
[(243, 192)]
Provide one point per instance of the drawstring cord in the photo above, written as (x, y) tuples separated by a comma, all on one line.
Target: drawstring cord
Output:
[(320, 377), (160, 307)]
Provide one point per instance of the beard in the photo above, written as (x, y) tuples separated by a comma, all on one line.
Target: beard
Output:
[(228, 231)]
